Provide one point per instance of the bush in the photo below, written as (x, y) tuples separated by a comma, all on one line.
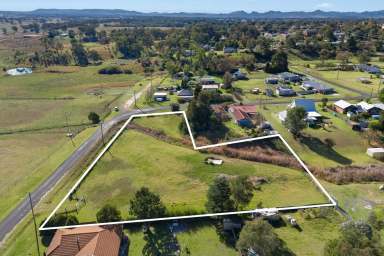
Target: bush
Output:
[(175, 107), (111, 70), (94, 118)]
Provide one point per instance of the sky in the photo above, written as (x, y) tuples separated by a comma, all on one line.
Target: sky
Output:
[(211, 6)]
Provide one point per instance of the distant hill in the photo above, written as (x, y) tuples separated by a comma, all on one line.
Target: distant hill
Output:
[(117, 13)]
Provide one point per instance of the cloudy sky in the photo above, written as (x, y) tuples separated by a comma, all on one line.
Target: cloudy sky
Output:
[(213, 6)]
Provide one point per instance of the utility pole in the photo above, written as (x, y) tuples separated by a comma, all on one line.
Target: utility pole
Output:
[(102, 133), (34, 221), (69, 134)]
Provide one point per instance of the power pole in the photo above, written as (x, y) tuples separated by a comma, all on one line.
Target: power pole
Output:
[(34, 221), (70, 135), (102, 133)]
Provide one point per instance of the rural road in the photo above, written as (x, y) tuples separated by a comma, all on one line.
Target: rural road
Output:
[(23, 208)]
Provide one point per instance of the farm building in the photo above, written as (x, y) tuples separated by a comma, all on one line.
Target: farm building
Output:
[(377, 153), (343, 107), (285, 92), (317, 87), (364, 80), (289, 77), (272, 80), (160, 96), (185, 94), (85, 241), (19, 71), (243, 114), (372, 109)]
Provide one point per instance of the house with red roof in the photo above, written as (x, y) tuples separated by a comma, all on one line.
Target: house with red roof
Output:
[(86, 241), (243, 114)]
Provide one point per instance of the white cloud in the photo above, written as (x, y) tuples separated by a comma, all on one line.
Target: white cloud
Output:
[(324, 5)]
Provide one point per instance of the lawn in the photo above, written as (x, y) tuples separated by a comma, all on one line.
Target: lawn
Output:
[(350, 146), (137, 160), (24, 168)]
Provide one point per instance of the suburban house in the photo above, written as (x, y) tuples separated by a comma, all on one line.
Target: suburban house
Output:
[(313, 117), (369, 69), (97, 241), (317, 87), (243, 114), (207, 80), (285, 92), (272, 80), (238, 75), (185, 94), (230, 49), (372, 109), (160, 96), (343, 107), (289, 77)]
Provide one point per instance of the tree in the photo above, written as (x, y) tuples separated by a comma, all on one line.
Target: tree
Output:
[(329, 142), (108, 213), (324, 102), (219, 196), (357, 238), (227, 80), (147, 205), (295, 122), (343, 57), (364, 57), (258, 237), (94, 118), (200, 114), (279, 63), (79, 53), (242, 191), (94, 56), (381, 95)]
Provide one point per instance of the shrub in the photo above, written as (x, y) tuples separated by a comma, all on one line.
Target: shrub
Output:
[(111, 70)]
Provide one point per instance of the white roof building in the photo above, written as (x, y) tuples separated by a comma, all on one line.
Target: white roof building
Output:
[(210, 87), (19, 71), (342, 104)]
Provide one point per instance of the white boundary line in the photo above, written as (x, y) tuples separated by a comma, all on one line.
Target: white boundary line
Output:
[(115, 137)]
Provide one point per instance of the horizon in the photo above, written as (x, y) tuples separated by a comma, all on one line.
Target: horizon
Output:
[(198, 6)]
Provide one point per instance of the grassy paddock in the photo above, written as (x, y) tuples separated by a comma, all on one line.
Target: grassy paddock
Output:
[(27, 159), (137, 160)]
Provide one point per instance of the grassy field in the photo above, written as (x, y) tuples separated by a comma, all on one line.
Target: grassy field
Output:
[(137, 160), (24, 168), (357, 199)]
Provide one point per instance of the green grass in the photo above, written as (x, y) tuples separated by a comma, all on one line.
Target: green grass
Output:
[(138, 160), (350, 146), (165, 124), (200, 240), (313, 234), (27, 159)]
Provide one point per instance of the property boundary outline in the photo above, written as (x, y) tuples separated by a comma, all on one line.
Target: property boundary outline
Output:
[(332, 201)]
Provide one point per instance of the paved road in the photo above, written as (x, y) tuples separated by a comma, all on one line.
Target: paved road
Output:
[(23, 208)]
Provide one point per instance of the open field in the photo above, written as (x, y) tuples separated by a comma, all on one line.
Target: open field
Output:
[(24, 168), (357, 199), (137, 160)]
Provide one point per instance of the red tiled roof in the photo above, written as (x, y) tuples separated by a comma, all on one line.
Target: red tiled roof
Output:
[(242, 112), (87, 241)]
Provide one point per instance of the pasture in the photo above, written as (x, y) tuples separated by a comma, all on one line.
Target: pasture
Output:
[(137, 160)]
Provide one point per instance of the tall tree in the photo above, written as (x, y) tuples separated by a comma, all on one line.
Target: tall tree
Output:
[(294, 121), (108, 213), (257, 237), (146, 205), (79, 53), (219, 196), (242, 191)]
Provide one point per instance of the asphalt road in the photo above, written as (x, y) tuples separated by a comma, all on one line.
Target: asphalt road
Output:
[(23, 208)]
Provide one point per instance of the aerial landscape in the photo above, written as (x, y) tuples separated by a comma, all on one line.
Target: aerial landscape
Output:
[(192, 128)]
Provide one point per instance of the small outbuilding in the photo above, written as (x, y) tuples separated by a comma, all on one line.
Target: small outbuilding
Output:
[(377, 153), (160, 96), (19, 71)]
